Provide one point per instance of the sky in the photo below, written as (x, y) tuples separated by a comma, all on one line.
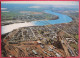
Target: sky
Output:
[(43, 2)]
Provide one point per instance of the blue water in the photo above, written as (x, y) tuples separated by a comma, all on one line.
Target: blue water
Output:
[(62, 19)]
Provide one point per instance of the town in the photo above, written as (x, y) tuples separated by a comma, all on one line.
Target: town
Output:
[(39, 29), (39, 42)]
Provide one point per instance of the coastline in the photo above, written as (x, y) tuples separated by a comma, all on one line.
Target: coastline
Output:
[(62, 19), (11, 27)]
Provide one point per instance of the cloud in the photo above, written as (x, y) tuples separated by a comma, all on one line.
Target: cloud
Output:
[(44, 2), (35, 7), (4, 11), (3, 8)]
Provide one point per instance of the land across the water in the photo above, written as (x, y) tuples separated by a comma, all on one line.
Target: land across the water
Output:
[(62, 19)]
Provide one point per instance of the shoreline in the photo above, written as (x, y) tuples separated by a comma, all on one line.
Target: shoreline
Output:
[(62, 19), (11, 27)]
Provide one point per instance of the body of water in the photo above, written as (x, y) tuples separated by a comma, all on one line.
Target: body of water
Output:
[(62, 19)]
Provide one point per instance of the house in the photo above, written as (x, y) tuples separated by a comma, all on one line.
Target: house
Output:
[(39, 42), (34, 52)]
